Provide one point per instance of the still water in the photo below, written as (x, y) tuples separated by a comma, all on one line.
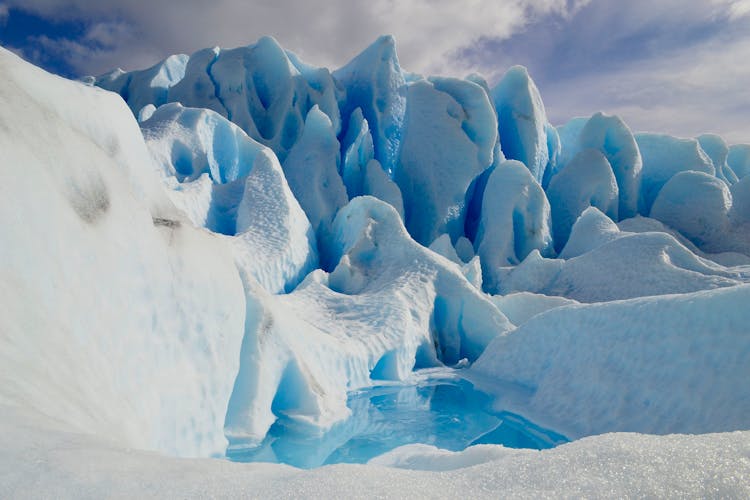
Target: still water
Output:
[(444, 412)]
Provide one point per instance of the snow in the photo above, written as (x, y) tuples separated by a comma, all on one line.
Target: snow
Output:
[(717, 150), (605, 264), (312, 171), (115, 322), (614, 139), (679, 341), (39, 458), (522, 306), (261, 88), (230, 184)]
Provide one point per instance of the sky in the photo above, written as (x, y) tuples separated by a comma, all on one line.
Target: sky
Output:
[(674, 66)]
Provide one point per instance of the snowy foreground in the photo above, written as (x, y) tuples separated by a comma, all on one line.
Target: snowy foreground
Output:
[(234, 242)]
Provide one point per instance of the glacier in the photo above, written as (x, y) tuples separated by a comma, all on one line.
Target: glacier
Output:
[(237, 254)]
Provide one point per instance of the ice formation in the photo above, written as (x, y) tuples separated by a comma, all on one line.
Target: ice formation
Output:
[(239, 241)]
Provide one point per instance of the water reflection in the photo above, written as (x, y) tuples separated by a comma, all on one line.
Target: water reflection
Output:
[(447, 413)]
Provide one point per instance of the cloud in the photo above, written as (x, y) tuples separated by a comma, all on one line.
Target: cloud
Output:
[(325, 33), (668, 65), (3, 14), (675, 66)]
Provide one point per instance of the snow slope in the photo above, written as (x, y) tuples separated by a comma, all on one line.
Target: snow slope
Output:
[(114, 321), (653, 364)]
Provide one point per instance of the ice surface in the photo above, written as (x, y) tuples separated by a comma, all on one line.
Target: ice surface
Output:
[(717, 150), (263, 89), (522, 121), (521, 307), (448, 140), (697, 205), (439, 409), (569, 197), (148, 86), (613, 138), (738, 159), (604, 264), (515, 220), (663, 157), (396, 305), (230, 184), (312, 171), (375, 83)]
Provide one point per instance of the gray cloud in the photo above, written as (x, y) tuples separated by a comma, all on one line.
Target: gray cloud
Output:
[(325, 33), (673, 66), (676, 66)]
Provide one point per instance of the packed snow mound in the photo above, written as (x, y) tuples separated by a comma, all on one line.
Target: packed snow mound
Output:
[(665, 156), (591, 230), (522, 306), (605, 264), (522, 121), (114, 321), (679, 341), (515, 220), (448, 140), (263, 89), (640, 224), (569, 197), (225, 181)]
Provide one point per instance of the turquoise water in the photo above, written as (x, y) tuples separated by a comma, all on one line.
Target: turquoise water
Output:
[(445, 412)]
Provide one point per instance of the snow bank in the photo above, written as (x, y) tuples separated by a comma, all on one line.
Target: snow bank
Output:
[(655, 362), (114, 321), (40, 459)]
